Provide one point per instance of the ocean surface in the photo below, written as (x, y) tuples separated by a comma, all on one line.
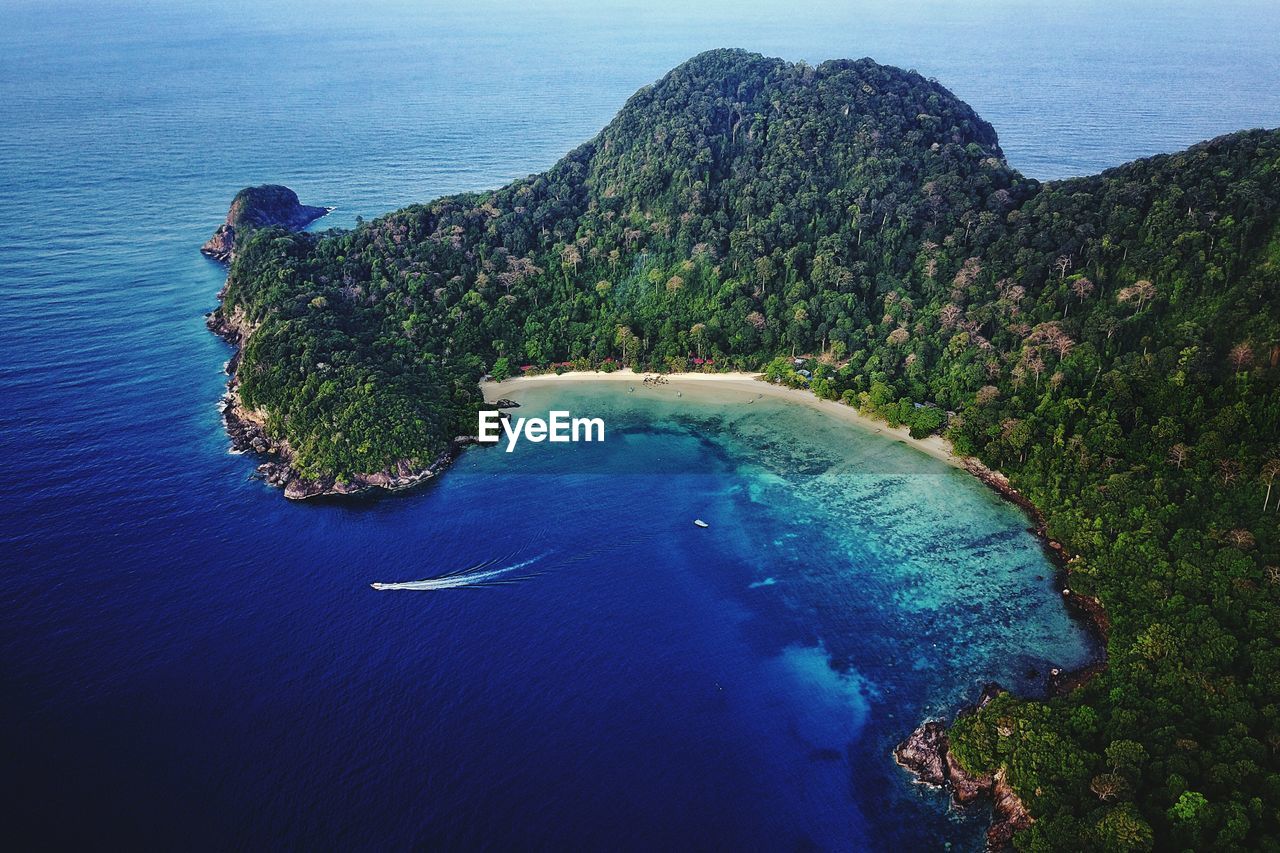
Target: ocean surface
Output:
[(189, 661)]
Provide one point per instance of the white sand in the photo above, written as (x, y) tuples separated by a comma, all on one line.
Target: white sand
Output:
[(737, 386)]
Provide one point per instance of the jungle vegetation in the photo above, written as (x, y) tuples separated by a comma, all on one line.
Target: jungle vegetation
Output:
[(1111, 343)]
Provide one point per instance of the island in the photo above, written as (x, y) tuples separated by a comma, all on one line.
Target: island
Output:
[(1106, 347)]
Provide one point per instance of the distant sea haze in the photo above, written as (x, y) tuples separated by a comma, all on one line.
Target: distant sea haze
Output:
[(188, 660)]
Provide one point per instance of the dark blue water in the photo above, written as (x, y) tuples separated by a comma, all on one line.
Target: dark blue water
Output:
[(187, 659)]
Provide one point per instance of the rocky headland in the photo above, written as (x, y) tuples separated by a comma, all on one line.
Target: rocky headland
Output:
[(927, 755), (926, 752), (247, 429), (278, 206), (260, 207)]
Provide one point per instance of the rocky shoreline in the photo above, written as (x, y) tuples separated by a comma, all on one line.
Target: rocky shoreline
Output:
[(927, 755), (926, 752), (1085, 607), (271, 205), (247, 430), (260, 207)]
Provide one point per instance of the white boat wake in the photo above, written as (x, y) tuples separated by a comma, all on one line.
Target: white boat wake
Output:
[(494, 573), (479, 575)]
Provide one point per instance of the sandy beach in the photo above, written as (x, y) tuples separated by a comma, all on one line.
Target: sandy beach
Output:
[(741, 386)]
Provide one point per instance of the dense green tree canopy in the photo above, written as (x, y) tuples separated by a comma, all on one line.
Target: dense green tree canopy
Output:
[(1111, 343)]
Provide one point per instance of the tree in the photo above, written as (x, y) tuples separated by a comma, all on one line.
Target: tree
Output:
[(1240, 538), (926, 421), (1126, 756), (1241, 356), (765, 271), (1082, 288), (1140, 292), (1063, 265), (1108, 786), (501, 369), (1033, 362), (1145, 291), (1270, 469), (570, 257), (699, 334), (625, 338), (1121, 828), (1190, 809)]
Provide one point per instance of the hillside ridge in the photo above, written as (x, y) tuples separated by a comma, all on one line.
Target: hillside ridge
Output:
[(1111, 343)]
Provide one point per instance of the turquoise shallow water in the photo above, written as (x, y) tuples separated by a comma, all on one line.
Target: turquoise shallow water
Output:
[(189, 661), (885, 554), (848, 586)]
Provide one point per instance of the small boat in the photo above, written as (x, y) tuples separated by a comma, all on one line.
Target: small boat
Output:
[(700, 523)]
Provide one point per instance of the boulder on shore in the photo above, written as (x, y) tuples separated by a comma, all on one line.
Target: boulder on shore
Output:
[(924, 751)]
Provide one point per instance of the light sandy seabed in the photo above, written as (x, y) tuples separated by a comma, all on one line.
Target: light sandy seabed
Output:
[(730, 387)]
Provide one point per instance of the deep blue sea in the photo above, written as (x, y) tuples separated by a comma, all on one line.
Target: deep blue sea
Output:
[(188, 661)]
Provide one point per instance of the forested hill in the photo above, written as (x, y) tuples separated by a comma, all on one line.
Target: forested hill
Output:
[(1112, 343), (739, 207)]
